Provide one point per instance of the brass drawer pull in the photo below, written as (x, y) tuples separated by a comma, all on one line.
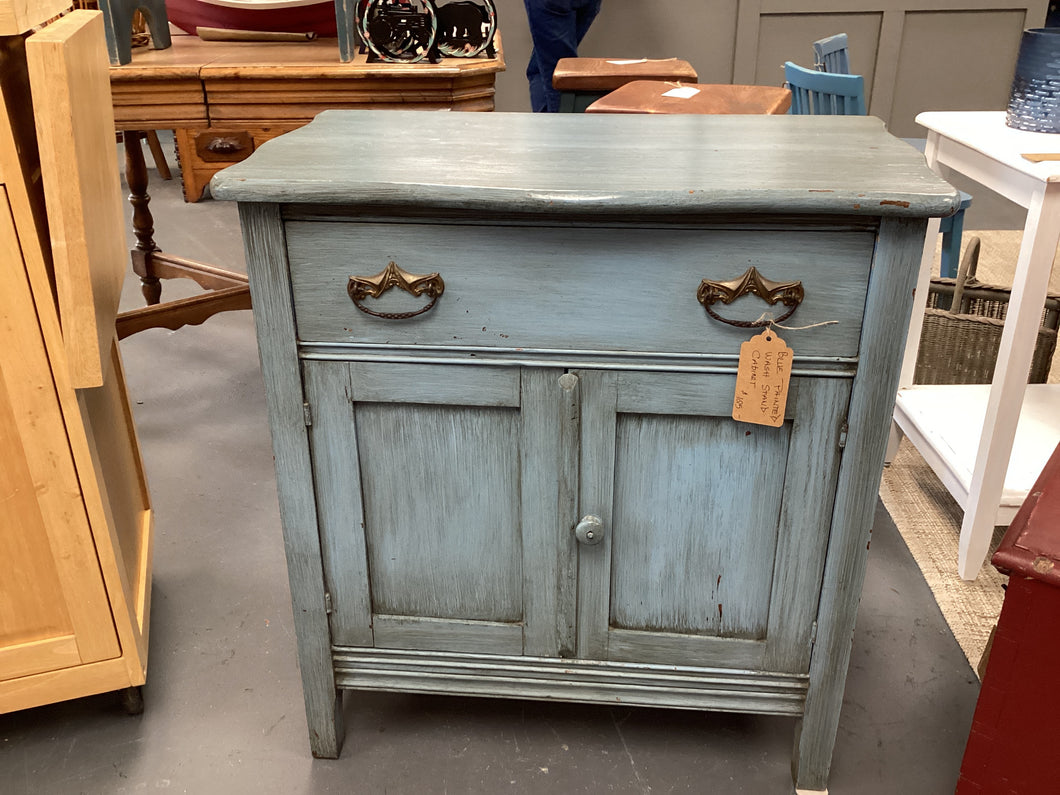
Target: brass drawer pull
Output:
[(788, 293), (225, 146), (361, 287), (212, 146)]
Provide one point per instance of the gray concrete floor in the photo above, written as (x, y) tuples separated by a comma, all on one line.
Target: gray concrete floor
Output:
[(223, 698)]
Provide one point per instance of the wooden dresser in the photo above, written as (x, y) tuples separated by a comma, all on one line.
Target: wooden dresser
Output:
[(526, 480), (223, 99)]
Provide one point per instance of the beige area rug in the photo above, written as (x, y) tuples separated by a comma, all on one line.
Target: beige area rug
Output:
[(928, 517)]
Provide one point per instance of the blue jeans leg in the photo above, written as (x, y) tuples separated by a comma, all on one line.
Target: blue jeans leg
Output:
[(557, 28)]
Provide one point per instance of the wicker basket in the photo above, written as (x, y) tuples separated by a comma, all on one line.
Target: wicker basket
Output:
[(962, 329)]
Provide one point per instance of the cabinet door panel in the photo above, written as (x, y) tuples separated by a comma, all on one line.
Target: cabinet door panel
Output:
[(36, 633), (704, 518), (441, 494), (695, 517), (436, 523), (54, 609)]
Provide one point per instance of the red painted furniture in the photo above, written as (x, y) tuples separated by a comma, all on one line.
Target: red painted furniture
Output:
[(1016, 731)]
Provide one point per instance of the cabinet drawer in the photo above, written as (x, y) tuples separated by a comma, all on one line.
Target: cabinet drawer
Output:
[(586, 288)]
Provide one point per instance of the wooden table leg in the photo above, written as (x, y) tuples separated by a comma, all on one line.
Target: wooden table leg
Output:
[(143, 221), (229, 290)]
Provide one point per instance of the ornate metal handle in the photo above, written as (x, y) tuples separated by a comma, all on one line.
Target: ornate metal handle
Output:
[(360, 287), (225, 146), (788, 293)]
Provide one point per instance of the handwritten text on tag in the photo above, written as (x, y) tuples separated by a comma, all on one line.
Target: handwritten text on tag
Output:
[(762, 380)]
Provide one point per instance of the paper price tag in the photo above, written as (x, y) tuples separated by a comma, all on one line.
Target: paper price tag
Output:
[(762, 380)]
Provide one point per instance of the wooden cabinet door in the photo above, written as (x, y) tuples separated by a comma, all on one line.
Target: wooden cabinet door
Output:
[(714, 531), (444, 502), (54, 611)]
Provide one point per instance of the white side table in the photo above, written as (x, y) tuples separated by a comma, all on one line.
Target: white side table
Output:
[(988, 444)]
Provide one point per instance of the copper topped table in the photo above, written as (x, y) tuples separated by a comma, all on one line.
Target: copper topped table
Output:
[(650, 96), (581, 81)]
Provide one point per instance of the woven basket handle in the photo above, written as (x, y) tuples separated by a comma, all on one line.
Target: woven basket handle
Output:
[(965, 271)]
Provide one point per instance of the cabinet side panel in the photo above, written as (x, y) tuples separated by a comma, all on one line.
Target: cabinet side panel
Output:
[(887, 310), (119, 474), (263, 240), (75, 126)]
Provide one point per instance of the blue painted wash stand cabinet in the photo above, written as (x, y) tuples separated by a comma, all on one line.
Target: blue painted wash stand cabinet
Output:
[(502, 420)]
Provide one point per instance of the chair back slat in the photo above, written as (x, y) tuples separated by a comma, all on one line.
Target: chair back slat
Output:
[(830, 55), (824, 94)]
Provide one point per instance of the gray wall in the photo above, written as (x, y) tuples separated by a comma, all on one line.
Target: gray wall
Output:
[(627, 29), (915, 54)]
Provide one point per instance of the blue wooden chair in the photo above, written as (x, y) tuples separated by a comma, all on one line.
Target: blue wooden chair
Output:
[(952, 228), (823, 94), (830, 55)]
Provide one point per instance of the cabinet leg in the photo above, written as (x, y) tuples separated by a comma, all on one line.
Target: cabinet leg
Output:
[(811, 759), (132, 700), (326, 729)]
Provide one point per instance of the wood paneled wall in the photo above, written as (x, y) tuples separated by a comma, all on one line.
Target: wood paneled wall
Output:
[(915, 54)]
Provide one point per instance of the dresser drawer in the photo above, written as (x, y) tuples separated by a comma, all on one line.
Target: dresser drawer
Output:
[(563, 288)]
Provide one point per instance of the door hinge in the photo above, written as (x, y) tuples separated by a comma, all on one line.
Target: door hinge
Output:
[(813, 634), (843, 429), (307, 414), (327, 604)]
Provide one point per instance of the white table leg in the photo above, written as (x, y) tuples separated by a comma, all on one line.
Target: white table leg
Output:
[(1030, 283)]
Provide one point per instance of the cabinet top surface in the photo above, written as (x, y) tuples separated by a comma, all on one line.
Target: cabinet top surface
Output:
[(561, 164)]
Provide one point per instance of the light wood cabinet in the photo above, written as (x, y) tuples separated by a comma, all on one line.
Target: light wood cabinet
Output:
[(75, 518), (75, 514), (529, 483)]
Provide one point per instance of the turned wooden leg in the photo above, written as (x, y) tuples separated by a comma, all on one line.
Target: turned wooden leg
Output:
[(143, 222)]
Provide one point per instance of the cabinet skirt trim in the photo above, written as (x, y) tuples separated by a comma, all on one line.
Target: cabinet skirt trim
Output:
[(547, 679), (817, 366)]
